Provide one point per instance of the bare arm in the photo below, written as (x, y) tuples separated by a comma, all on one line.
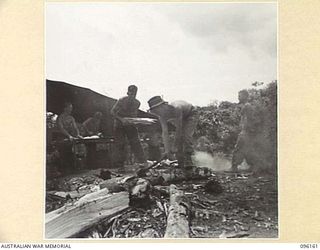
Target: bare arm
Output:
[(60, 126), (75, 127), (115, 111), (85, 125)]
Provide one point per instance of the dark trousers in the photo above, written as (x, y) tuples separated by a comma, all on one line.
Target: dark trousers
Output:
[(72, 156), (121, 133), (154, 153), (66, 158)]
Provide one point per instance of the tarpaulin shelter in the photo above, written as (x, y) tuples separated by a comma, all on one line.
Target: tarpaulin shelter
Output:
[(85, 103)]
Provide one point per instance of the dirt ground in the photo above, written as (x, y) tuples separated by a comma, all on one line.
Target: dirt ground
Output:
[(246, 207)]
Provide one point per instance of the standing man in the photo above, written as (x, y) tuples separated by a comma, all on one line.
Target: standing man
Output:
[(70, 153), (127, 106), (183, 116), (67, 124), (247, 144)]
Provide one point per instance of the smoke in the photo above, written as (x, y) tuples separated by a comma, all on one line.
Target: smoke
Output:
[(202, 159), (216, 162)]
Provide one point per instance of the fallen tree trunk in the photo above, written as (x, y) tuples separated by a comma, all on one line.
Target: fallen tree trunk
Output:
[(177, 221), (72, 219)]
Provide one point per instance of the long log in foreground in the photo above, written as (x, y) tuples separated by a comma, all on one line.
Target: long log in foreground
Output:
[(70, 220), (177, 221)]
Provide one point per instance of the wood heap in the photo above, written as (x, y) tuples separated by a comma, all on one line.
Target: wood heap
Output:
[(114, 199)]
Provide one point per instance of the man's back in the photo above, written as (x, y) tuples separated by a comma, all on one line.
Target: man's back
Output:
[(182, 106)]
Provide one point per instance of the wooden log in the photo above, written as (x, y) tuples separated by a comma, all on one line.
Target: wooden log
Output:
[(73, 194), (118, 184), (175, 175), (69, 220), (177, 221), (156, 177), (141, 188), (128, 183)]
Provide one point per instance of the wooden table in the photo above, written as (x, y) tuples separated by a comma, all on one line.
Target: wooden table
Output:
[(99, 152)]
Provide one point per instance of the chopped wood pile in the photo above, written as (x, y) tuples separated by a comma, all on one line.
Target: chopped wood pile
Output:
[(199, 204)]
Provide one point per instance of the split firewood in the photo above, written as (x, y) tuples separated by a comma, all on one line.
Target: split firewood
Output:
[(156, 177), (129, 183), (52, 196), (161, 191), (118, 184), (178, 215), (140, 194), (95, 234), (175, 175), (71, 219), (155, 180), (141, 189), (225, 235), (149, 233), (80, 192)]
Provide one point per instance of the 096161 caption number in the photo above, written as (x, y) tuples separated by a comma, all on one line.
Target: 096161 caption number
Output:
[(308, 246)]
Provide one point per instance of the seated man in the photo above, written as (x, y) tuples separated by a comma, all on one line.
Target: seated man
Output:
[(183, 116), (92, 124)]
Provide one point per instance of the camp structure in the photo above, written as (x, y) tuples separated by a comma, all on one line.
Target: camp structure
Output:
[(85, 103)]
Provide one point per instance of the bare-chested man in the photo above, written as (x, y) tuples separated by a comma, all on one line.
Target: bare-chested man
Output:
[(67, 124), (183, 116), (250, 124)]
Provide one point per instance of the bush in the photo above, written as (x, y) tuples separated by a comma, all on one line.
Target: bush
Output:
[(219, 122)]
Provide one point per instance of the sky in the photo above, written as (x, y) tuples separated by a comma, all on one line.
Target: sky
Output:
[(197, 52)]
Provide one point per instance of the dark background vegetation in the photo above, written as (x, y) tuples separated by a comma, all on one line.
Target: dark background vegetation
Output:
[(219, 121)]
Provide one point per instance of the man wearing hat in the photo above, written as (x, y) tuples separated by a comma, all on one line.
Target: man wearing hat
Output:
[(183, 116), (127, 106)]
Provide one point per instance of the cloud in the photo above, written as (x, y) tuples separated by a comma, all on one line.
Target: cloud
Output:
[(193, 51), (248, 26)]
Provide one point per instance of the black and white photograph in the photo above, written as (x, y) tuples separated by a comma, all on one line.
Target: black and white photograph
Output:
[(161, 120)]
